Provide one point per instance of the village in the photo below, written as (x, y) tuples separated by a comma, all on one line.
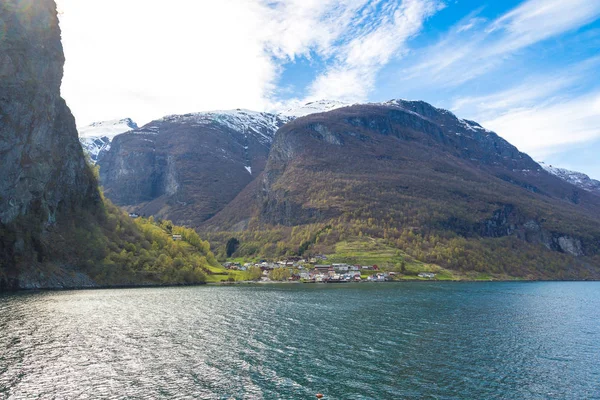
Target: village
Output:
[(316, 270)]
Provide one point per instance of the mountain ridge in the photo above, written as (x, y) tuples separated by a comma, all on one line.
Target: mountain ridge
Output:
[(578, 179)]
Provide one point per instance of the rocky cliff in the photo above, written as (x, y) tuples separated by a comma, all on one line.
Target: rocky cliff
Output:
[(44, 174)]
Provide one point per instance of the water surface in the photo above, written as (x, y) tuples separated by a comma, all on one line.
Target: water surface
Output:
[(351, 341)]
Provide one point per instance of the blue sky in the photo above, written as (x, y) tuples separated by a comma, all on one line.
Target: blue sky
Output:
[(525, 69)]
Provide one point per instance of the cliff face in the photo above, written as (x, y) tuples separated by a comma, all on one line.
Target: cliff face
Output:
[(44, 175)]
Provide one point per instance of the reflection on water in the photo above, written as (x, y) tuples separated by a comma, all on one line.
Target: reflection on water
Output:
[(354, 341)]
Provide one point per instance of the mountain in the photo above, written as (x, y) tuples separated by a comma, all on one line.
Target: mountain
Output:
[(578, 179), (96, 138), (437, 188), (186, 168)]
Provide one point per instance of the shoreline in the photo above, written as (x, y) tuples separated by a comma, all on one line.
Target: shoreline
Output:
[(258, 283)]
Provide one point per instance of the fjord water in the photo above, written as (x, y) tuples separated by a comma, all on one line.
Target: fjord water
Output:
[(353, 341)]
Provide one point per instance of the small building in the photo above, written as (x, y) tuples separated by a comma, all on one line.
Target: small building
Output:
[(377, 278), (134, 215), (341, 267), (427, 275), (304, 275), (177, 237), (322, 268)]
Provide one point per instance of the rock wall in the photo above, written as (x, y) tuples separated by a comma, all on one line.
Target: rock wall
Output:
[(44, 175)]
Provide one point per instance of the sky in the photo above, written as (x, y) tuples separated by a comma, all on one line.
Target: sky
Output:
[(527, 69)]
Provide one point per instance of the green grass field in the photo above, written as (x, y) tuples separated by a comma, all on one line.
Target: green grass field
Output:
[(369, 251)]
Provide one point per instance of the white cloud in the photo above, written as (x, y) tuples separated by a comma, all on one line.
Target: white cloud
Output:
[(144, 59), (537, 90), (473, 48), (545, 130), (353, 74), (544, 114), (147, 58)]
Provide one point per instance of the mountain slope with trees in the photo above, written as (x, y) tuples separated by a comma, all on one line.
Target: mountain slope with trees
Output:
[(441, 189)]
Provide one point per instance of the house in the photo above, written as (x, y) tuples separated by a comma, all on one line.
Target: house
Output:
[(322, 268), (377, 278), (427, 275), (341, 267), (134, 215), (305, 275), (177, 237)]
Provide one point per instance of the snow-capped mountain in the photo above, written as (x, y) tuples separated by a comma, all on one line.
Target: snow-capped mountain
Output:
[(262, 125), (314, 107), (578, 179), (186, 168), (96, 138)]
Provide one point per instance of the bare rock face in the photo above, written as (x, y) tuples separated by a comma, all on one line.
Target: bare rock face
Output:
[(44, 174)]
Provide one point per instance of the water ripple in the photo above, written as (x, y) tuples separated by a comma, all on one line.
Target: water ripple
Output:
[(364, 341)]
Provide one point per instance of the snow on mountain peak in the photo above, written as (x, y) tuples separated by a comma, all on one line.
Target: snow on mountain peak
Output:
[(97, 137), (261, 124), (314, 107), (110, 129), (578, 179)]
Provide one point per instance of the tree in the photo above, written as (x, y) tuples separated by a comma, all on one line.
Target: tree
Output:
[(231, 247), (254, 273)]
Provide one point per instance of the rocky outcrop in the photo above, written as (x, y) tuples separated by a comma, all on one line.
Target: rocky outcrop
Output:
[(44, 175), (508, 221)]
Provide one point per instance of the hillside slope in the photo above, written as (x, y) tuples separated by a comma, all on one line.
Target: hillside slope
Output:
[(442, 189)]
